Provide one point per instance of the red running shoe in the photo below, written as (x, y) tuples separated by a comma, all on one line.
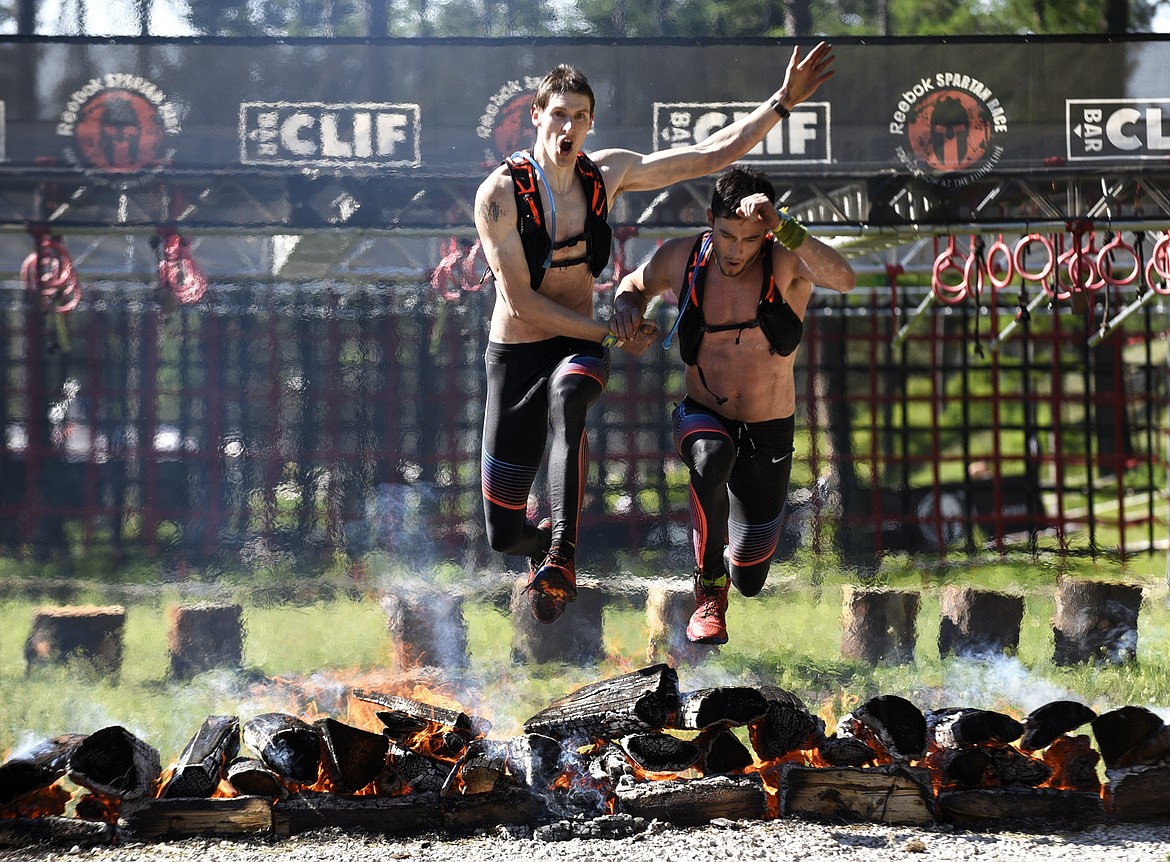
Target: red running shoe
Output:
[(551, 587), (708, 623)]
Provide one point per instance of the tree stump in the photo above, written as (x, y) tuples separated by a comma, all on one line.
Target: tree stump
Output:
[(204, 636), (880, 625), (427, 629), (669, 606), (91, 633), (1095, 623), (574, 638), (979, 623)]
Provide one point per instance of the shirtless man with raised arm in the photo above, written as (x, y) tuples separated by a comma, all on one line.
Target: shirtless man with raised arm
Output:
[(743, 287), (542, 220)]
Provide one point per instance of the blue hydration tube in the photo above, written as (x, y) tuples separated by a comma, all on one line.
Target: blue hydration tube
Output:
[(703, 251), (521, 156)]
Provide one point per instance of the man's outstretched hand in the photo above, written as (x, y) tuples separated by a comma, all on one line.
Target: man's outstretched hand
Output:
[(804, 76), (645, 336)]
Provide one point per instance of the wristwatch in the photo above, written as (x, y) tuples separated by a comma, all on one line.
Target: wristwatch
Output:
[(779, 108)]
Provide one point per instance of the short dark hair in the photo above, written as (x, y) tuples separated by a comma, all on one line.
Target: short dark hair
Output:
[(736, 184), (559, 81)]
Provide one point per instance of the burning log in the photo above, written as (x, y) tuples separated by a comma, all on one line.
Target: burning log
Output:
[(960, 767), (668, 610), (1074, 764), (962, 728), (398, 815), (1012, 767), (642, 700), (785, 726), (181, 818), (204, 636), (731, 706), (286, 745), (887, 794), (54, 831), (692, 802), (468, 726), (979, 623), (36, 768), (576, 637), (880, 625), (84, 631), (661, 752), (1131, 736), (419, 773), (479, 770), (1047, 723), (1095, 622), (534, 759), (353, 757), (427, 628), (250, 777), (723, 753), (201, 765), (996, 803), (114, 762), (890, 724), (612, 764)]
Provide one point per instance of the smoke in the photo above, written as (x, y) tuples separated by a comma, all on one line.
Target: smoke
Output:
[(999, 683)]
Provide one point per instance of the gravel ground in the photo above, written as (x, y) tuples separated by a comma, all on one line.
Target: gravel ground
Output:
[(741, 841)]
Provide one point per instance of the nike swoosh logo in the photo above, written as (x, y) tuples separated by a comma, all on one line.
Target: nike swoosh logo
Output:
[(778, 460)]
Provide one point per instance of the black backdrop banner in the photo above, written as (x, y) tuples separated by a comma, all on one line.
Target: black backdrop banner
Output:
[(948, 111)]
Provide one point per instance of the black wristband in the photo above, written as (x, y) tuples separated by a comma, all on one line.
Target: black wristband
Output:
[(778, 108)]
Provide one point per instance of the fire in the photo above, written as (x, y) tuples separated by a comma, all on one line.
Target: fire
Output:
[(48, 801)]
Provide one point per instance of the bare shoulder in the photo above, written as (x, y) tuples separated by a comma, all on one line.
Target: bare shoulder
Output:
[(615, 165), (494, 200)]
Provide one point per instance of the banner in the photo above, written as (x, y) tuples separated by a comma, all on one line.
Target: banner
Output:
[(949, 113)]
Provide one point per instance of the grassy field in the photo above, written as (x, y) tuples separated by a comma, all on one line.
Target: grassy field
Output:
[(303, 658)]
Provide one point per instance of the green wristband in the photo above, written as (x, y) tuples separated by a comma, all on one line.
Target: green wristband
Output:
[(789, 233)]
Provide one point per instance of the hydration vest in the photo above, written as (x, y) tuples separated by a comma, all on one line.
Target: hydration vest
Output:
[(780, 324), (538, 245)]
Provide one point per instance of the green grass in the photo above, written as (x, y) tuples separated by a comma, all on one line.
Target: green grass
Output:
[(303, 658)]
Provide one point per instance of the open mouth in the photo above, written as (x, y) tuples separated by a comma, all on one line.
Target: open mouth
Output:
[(566, 146)]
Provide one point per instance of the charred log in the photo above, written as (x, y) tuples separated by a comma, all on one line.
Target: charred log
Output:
[(54, 831), (201, 765), (53, 799), (691, 802), (886, 794), (1051, 721), (723, 753), (288, 746), (960, 767), (479, 770), (180, 818), (846, 751), (35, 768), (731, 706), (1139, 793), (611, 764), (1009, 804), (461, 722), (661, 752), (1012, 767), (506, 804), (646, 699), (353, 757), (897, 724), (399, 815), (250, 777), (400, 726), (785, 726), (961, 728), (1130, 736), (115, 762), (535, 760)]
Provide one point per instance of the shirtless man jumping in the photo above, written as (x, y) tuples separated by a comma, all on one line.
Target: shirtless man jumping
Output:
[(542, 220), (742, 287)]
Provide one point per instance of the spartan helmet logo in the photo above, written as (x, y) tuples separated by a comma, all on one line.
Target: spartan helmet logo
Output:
[(120, 133), (949, 124)]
